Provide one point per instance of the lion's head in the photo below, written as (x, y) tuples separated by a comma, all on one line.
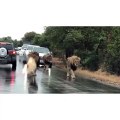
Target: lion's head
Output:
[(34, 55), (76, 60)]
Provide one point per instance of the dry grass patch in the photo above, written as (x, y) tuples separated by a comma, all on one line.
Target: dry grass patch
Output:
[(97, 75)]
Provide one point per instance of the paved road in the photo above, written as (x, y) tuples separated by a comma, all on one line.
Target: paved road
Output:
[(14, 82)]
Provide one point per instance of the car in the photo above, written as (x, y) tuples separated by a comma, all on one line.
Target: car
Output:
[(22, 52), (42, 51), (33, 48), (17, 50), (29, 49), (23, 49), (26, 50), (8, 54)]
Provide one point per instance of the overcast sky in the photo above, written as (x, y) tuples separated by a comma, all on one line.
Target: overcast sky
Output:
[(20, 16)]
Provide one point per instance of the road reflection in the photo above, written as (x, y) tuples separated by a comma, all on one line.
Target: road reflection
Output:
[(51, 81), (7, 75), (32, 84)]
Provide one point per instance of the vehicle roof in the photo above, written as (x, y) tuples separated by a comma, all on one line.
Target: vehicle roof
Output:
[(25, 45), (44, 47), (36, 46), (30, 45), (5, 43), (33, 46)]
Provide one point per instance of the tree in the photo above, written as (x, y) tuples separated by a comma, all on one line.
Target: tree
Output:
[(6, 39), (37, 39), (28, 37), (15, 42)]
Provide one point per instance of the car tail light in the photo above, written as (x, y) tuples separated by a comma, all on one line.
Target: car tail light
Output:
[(12, 52)]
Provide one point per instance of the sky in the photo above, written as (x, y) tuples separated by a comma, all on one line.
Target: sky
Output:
[(20, 16)]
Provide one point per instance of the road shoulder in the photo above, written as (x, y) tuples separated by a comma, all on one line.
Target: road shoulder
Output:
[(99, 76)]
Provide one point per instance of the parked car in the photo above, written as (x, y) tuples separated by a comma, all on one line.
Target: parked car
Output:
[(7, 54), (25, 52), (23, 48), (17, 50), (22, 52), (42, 51), (29, 49)]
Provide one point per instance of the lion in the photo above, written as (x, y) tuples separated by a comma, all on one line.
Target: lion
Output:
[(32, 63), (47, 61), (72, 65), (29, 69)]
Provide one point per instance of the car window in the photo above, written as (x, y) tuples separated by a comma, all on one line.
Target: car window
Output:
[(24, 46), (7, 46), (16, 49), (41, 50), (19, 48), (30, 47)]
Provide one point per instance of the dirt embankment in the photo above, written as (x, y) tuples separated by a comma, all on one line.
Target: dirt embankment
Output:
[(102, 77)]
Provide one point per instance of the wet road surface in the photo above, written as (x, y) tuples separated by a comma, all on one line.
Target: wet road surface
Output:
[(15, 82)]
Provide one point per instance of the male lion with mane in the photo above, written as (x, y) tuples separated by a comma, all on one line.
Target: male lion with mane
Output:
[(72, 65), (47, 61), (32, 63)]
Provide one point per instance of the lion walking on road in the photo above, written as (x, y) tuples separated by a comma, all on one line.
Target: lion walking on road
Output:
[(32, 63), (72, 65), (47, 61)]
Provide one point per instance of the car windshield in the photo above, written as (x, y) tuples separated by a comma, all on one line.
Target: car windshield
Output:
[(19, 48), (24, 46), (41, 50), (30, 48)]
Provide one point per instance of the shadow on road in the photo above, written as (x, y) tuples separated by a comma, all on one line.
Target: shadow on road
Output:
[(32, 84), (7, 75)]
